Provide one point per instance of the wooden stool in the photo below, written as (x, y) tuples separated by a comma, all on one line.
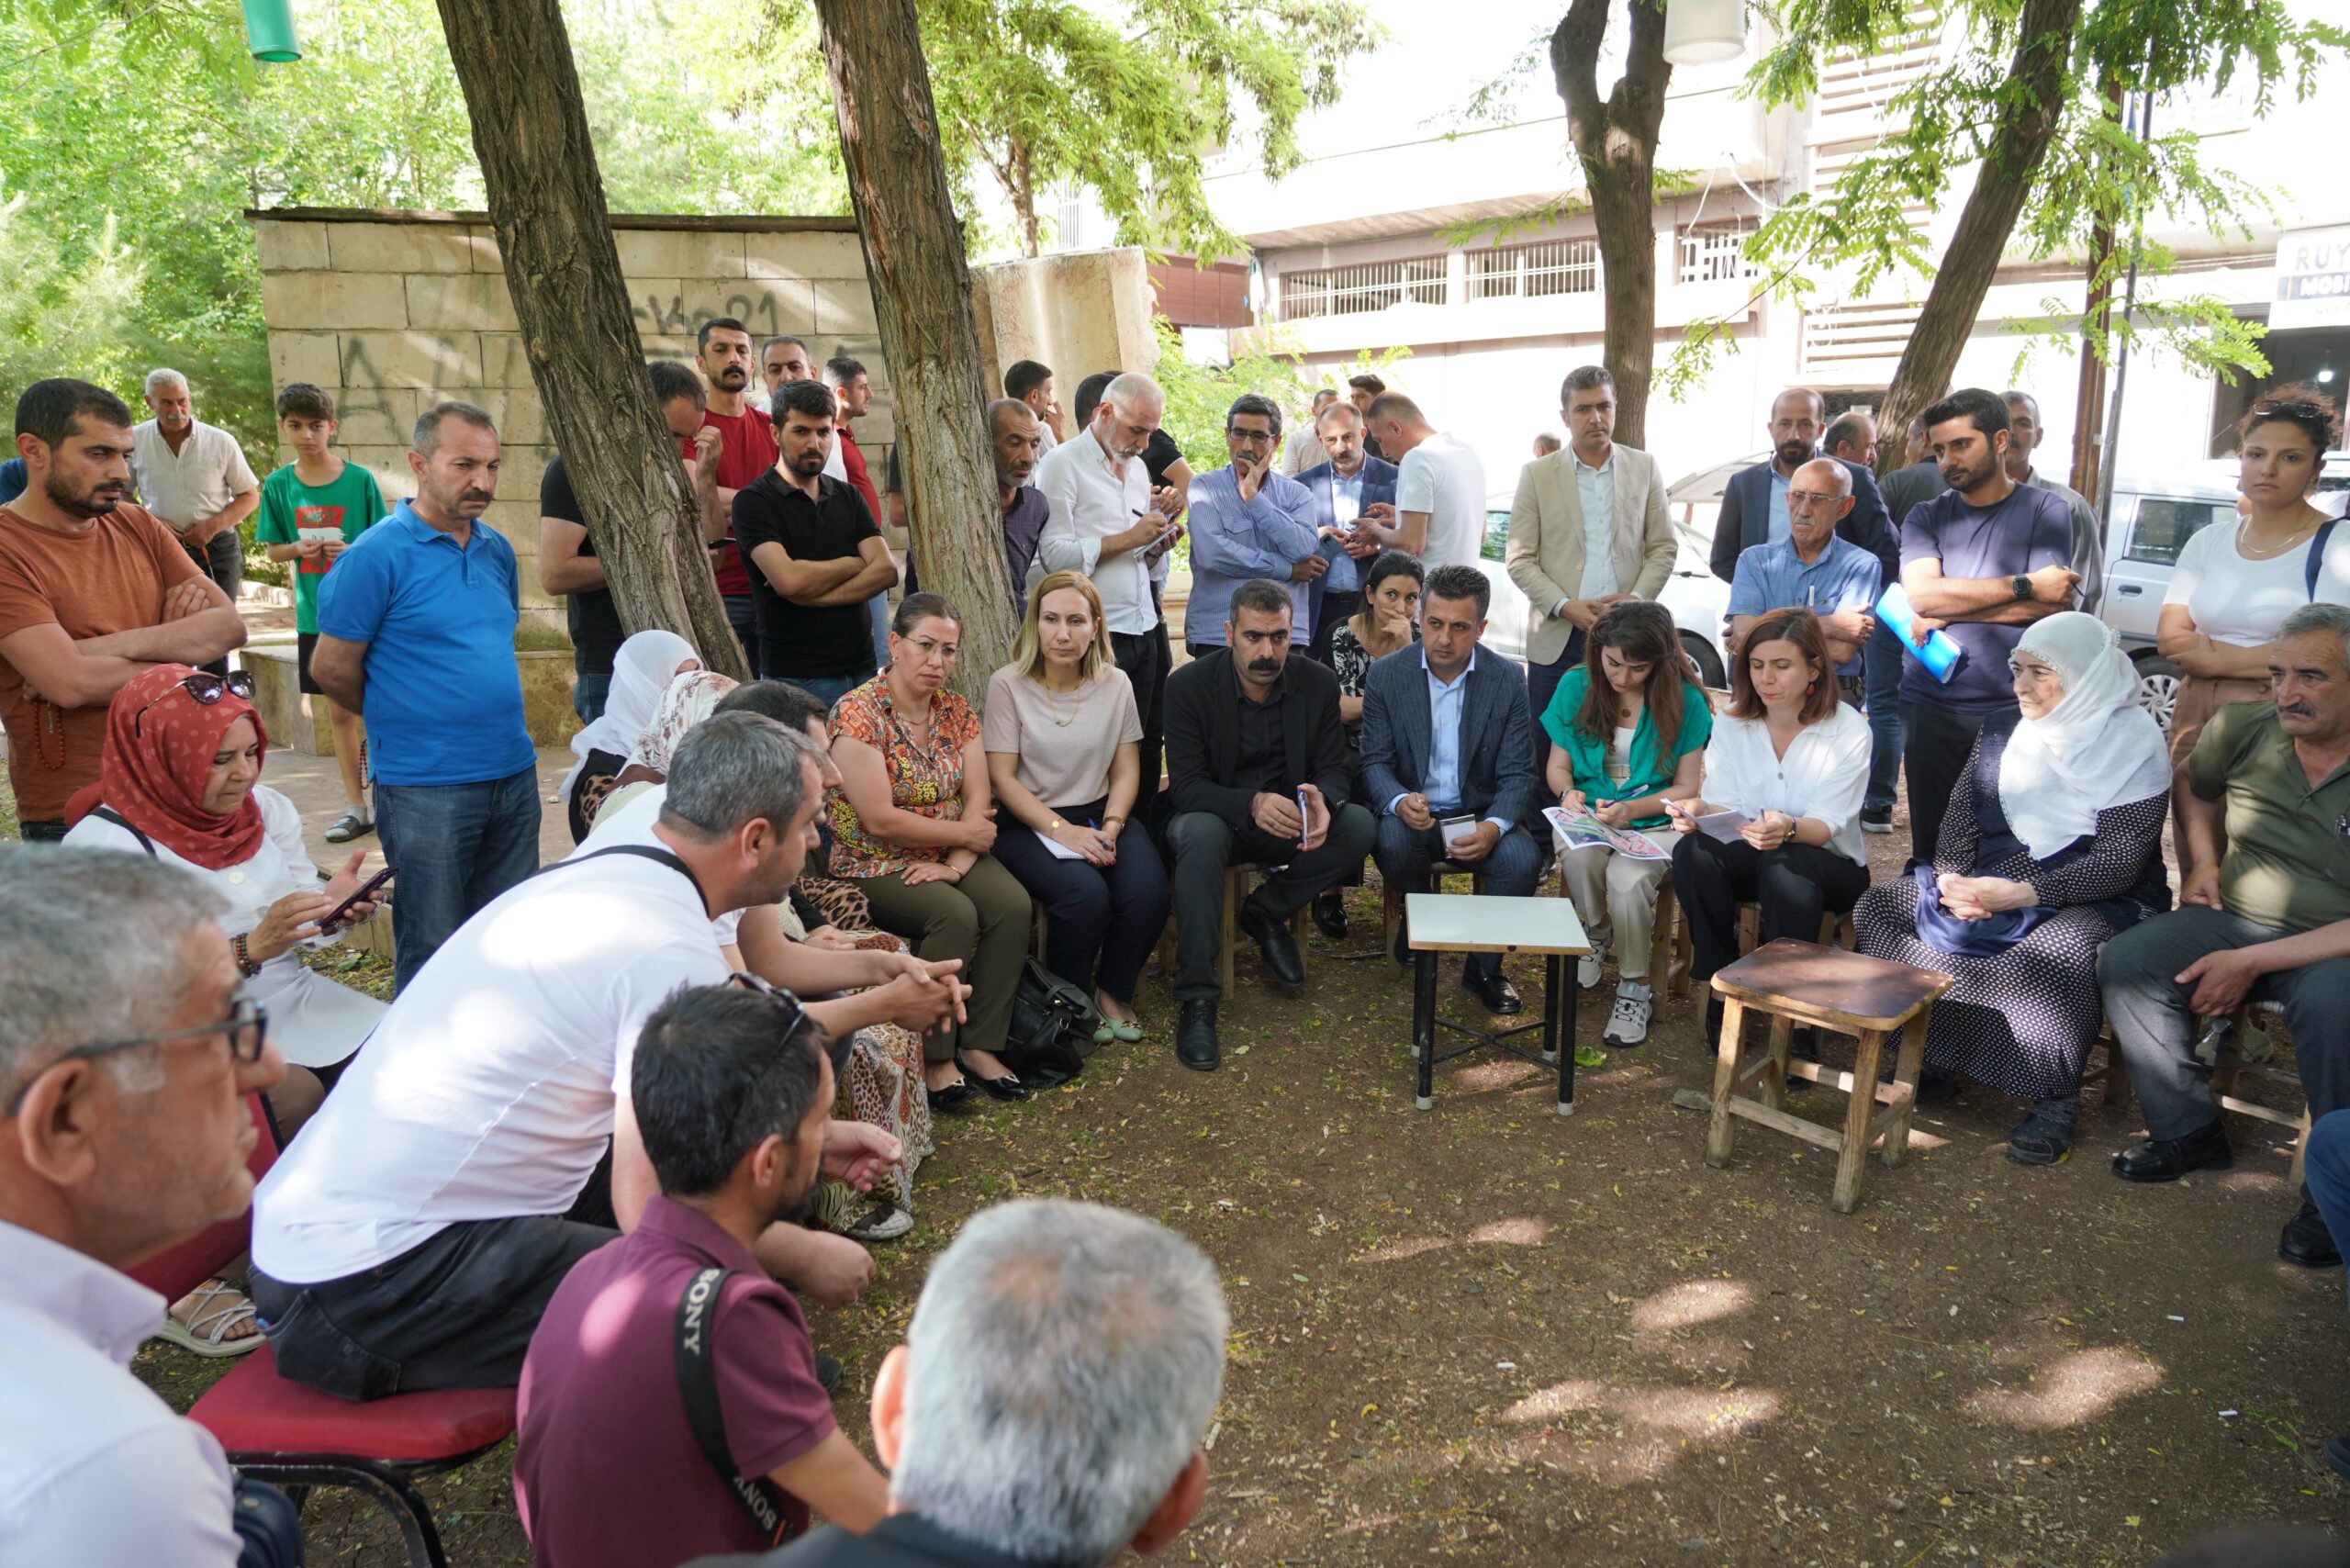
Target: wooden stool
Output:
[(1236, 889), (2231, 1066), (1391, 900), (1804, 983), (1670, 955)]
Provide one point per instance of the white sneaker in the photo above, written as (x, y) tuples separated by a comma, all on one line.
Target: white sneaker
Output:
[(1629, 1024), (1587, 968)]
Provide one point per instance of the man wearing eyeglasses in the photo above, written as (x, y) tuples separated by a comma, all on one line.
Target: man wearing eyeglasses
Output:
[(123, 1082), (1832, 577), (1249, 521)]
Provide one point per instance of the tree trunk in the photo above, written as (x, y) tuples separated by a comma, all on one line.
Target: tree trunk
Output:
[(2027, 125), (1614, 141), (922, 294), (1023, 200), (546, 203)]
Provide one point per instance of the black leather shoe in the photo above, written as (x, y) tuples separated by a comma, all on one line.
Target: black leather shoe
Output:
[(1330, 916), (2306, 1241), (1007, 1087), (1275, 945), (2166, 1160), (1494, 990), (2337, 1455), (1402, 951), (1195, 1045)]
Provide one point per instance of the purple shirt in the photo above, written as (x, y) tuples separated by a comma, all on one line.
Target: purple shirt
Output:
[(2031, 529), (606, 1470)]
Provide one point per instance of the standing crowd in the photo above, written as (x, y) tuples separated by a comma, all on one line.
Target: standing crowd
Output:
[(796, 932)]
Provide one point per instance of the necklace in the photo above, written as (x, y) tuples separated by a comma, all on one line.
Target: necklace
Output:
[(1053, 708), (2251, 551)]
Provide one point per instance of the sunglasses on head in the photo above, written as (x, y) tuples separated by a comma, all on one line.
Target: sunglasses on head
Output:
[(794, 1014), (206, 688)]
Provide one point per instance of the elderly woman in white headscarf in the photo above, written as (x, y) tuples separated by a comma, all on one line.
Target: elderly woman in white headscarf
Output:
[(642, 672), (2052, 843)]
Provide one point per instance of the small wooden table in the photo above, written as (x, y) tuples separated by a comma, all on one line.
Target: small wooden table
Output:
[(1803, 982), (1449, 923)]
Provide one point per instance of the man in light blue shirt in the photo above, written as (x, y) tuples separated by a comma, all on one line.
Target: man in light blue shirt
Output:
[(1832, 577), (1447, 734), (1247, 521)]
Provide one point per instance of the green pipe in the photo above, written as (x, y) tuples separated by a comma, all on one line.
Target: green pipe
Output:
[(268, 32)]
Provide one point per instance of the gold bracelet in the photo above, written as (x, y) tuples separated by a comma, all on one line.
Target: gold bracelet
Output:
[(1054, 825)]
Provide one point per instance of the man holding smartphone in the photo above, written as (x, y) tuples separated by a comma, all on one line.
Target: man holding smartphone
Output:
[(1351, 484)]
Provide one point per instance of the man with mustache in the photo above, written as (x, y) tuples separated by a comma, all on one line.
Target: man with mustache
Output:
[(2263, 916), (91, 591), (1016, 437), (416, 634)]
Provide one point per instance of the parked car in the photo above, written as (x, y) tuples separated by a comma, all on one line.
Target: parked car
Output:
[(2150, 520)]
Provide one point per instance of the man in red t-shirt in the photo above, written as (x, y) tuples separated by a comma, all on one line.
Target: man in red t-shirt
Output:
[(747, 451), (608, 1469)]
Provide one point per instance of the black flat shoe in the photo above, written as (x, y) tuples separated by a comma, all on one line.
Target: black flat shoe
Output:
[(1274, 944), (954, 1097), (2166, 1160), (1007, 1087), (1330, 916), (1500, 997), (2306, 1241), (1937, 1087), (1402, 951), (1195, 1045)]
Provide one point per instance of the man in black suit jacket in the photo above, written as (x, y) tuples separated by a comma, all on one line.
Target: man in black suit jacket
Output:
[(1250, 728), (1446, 734)]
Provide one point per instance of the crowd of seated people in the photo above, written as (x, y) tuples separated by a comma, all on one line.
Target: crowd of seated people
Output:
[(835, 900)]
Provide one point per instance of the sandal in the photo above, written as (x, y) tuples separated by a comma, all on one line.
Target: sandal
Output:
[(210, 1319)]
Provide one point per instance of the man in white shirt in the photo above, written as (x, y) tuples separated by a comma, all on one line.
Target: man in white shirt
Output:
[(1104, 523), (1439, 486), (123, 1081), (411, 1236), (1588, 527), (194, 477)]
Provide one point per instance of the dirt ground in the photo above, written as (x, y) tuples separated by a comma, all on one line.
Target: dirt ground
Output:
[(1485, 1334)]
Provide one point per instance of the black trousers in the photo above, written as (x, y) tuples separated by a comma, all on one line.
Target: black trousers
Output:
[(1204, 844), (221, 558), (1794, 884), (1148, 660), (742, 614), (1937, 741)]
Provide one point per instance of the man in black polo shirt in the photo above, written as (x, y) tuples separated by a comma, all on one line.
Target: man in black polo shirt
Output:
[(814, 554), (568, 569)]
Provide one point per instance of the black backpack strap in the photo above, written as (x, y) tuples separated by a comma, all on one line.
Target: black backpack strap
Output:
[(697, 1385), (108, 814), (644, 852), (2316, 563)]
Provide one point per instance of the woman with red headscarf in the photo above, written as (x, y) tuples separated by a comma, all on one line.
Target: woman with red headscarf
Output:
[(180, 780)]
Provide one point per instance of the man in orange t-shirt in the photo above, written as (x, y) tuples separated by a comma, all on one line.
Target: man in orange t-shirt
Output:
[(91, 591)]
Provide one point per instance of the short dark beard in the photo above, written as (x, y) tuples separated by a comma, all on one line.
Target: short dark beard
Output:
[(86, 506), (806, 467)]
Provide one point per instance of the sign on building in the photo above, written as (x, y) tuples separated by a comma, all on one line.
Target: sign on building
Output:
[(2312, 278)]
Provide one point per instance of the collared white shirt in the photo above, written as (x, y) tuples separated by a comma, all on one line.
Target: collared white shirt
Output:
[(1824, 774), (1596, 492), (204, 474), (1091, 503), (97, 1471)]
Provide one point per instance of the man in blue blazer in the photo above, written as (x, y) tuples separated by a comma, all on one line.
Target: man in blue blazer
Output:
[(1446, 734), (1351, 483), (1755, 512)]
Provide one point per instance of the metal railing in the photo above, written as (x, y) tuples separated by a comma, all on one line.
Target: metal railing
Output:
[(1714, 255), (1362, 289), (1536, 271)]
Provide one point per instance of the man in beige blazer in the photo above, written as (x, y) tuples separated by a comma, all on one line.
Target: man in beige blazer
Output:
[(1588, 527)]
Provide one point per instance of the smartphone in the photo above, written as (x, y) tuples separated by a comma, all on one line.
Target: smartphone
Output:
[(367, 890), (1451, 828), (1301, 818)]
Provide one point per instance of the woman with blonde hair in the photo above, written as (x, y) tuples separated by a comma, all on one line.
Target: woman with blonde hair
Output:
[(1062, 734)]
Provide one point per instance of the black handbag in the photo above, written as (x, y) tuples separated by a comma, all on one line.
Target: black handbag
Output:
[(1052, 1028)]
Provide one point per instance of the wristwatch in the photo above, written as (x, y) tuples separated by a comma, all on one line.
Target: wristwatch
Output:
[(2022, 585)]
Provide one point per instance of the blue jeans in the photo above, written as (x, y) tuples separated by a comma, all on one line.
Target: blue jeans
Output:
[(2325, 1170), (589, 693), (879, 607), (455, 847), (826, 689), (1883, 674)]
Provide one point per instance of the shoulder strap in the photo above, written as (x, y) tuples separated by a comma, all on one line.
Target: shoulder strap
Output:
[(698, 1385), (2316, 561), (107, 814), (644, 852)]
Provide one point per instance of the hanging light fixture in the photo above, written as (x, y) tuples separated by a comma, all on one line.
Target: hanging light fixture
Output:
[(1704, 32), (268, 32)]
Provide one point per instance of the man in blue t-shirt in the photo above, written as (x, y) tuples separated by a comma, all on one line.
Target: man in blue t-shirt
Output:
[(416, 634), (1981, 560)]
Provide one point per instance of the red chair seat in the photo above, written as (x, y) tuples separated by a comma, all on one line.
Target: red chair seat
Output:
[(254, 1411)]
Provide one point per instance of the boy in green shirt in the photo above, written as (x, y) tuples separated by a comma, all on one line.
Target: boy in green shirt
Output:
[(310, 510)]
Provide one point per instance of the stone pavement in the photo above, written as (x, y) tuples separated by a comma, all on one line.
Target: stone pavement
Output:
[(315, 786)]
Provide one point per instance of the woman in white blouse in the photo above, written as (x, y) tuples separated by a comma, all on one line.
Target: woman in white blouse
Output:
[(179, 779), (1792, 760), (2232, 586), (1061, 734)]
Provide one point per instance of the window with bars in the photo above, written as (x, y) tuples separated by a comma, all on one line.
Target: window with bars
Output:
[(1536, 271), (1362, 289), (1713, 255)]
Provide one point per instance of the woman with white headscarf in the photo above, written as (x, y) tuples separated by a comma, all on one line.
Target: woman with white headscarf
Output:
[(642, 672), (2052, 843)]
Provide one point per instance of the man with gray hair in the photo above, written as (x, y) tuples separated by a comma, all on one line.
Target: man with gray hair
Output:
[(194, 477), (124, 1069), (1014, 1428), (414, 1230), (416, 634), (2263, 915), (1104, 523)]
